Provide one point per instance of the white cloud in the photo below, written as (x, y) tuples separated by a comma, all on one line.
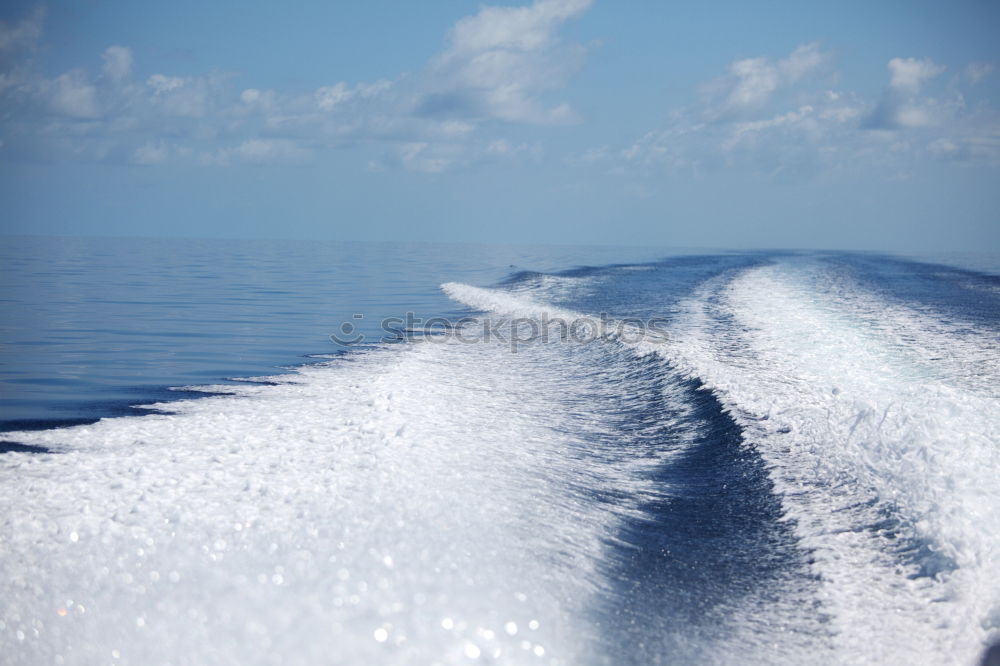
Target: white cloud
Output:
[(943, 148), (504, 148), (971, 143), (742, 122), (977, 71), (255, 101), (150, 153), (330, 96), (907, 75), (751, 82), (72, 94), (743, 131), (598, 155), (23, 34), (513, 28), (801, 61), (755, 78), (744, 118), (500, 63), (373, 89), (914, 116), (268, 150), (258, 151), (669, 148), (837, 108), (438, 156), (117, 62), (456, 128), (189, 97), (901, 105), (164, 84), (418, 156)]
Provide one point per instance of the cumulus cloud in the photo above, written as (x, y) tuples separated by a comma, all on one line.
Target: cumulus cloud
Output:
[(117, 62), (498, 69), (801, 61), (372, 89), (901, 105), (502, 66), (164, 84), (744, 119), (977, 71), (150, 153), (188, 97), (743, 122), (755, 80), (72, 94), (328, 97), (421, 156), (513, 28), (500, 63), (750, 82), (456, 128), (906, 75)]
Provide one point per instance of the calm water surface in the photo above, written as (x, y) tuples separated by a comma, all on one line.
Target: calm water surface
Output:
[(92, 326)]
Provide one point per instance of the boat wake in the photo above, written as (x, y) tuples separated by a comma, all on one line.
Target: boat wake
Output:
[(789, 466)]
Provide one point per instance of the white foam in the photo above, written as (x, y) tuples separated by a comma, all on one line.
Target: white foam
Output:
[(553, 288), (503, 302), (552, 319), (857, 428), (411, 504), (400, 506), (930, 345), (859, 423)]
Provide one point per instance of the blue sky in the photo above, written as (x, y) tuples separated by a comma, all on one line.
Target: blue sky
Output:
[(729, 124)]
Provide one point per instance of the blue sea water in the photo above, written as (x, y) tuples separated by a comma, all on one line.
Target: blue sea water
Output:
[(94, 326), (608, 456)]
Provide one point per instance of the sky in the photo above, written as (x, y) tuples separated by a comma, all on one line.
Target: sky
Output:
[(848, 125)]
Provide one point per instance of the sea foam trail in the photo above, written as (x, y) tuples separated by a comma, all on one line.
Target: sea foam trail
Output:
[(445, 501), (886, 465), (505, 303), (434, 502), (945, 347), (887, 468), (754, 601)]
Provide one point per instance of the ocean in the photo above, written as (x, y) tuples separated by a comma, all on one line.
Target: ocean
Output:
[(296, 453)]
